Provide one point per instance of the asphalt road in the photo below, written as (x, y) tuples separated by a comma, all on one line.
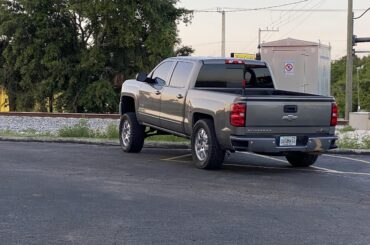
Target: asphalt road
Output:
[(83, 194)]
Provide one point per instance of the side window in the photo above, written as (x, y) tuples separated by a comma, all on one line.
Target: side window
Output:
[(181, 74), (162, 72)]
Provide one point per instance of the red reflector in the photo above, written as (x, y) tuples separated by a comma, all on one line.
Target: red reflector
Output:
[(237, 115), (234, 61), (334, 115)]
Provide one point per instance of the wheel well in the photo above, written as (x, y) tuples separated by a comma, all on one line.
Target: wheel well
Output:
[(199, 116), (127, 104)]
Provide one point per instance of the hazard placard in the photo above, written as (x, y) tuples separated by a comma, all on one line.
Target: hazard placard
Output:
[(289, 68)]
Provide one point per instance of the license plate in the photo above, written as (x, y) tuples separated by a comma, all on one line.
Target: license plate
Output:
[(288, 141)]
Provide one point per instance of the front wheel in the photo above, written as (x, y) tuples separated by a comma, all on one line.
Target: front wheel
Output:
[(132, 134), (300, 159), (207, 153)]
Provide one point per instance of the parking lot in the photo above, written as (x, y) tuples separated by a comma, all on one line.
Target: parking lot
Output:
[(85, 194)]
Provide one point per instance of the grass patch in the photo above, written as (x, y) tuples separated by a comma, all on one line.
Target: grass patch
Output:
[(366, 142), (167, 138), (349, 143), (26, 133), (80, 130), (347, 128), (112, 131)]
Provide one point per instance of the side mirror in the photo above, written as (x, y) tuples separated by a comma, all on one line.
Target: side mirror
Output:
[(142, 77)]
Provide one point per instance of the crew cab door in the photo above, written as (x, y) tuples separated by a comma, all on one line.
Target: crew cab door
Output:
[(150, 93), (173, 98)]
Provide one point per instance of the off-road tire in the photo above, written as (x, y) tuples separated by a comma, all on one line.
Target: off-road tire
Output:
[(216, 155), (136, 137), (300, 159)]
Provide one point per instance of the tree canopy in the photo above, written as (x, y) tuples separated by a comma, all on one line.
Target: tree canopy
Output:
[(361, 79), (73, 55)]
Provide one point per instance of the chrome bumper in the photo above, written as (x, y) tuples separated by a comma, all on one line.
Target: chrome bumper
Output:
[(271, 145)]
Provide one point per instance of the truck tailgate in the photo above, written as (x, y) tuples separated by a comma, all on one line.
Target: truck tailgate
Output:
[(278, 111)]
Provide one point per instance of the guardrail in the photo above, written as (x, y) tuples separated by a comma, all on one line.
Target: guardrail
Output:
[(63, 115)]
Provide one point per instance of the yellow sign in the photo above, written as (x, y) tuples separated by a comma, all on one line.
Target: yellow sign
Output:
[(243, 56), (4, 101)]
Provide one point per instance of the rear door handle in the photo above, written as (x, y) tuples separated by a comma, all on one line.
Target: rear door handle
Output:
[(157, 92), (179, 96)]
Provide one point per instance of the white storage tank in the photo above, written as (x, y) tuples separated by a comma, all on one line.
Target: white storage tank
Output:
[(299, 66)]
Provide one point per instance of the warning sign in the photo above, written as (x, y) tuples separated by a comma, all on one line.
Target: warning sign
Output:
[(289, 68)]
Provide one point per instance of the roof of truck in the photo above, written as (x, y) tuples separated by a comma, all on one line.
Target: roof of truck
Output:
[(215, 60)]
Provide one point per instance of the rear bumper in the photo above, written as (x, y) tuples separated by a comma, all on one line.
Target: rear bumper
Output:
[(271, 145)]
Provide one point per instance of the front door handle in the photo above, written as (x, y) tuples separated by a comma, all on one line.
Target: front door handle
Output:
[(179, 96), (157, 92)]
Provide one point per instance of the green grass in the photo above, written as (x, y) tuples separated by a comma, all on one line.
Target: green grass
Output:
[(26, 133), (349, 143), (366, 142), (82, 130), (167, 138), (347, 128)]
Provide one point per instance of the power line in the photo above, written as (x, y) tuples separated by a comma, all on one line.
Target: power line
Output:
[(356, 18), (248, 9), (305, 17), (287, 20), (315, 10)]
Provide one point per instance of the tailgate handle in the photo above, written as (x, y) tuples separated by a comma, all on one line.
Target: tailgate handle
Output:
[(290, 109)]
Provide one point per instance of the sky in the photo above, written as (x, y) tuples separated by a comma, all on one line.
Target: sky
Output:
[(204, 33)]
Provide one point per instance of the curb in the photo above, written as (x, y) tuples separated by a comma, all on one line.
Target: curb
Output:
[(150, 144)]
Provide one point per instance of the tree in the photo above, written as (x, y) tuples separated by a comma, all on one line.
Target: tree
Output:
[(338, 83), (184, 51), (65, 50), (38, 52)]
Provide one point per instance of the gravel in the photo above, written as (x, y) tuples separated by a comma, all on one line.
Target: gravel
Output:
[(50, 124)]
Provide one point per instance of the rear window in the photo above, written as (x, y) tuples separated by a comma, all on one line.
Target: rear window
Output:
[(232, 76)]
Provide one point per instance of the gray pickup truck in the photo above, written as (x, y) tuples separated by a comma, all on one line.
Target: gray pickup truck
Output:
[(225, 105)]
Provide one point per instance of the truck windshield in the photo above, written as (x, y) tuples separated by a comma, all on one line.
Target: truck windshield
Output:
[(232, 76)]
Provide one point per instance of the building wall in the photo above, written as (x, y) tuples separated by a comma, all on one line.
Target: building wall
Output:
[(4, 101)]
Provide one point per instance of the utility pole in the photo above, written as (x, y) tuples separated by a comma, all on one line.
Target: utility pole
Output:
[(223, 37), (259, 39), (350, 44), (352, 40)]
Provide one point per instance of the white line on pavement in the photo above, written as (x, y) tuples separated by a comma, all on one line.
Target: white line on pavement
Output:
[(326, 170), (348, 158), (263, 156), (311, 169), (175, 158)]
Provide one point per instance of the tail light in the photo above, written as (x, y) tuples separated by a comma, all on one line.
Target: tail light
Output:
[(334, 115), (234, 61), (237, 115)]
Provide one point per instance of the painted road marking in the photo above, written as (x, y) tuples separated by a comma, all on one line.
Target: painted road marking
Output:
[(311, 169), (263, 156), (270, 167), (348, 158), (175, 159), (325, 170)]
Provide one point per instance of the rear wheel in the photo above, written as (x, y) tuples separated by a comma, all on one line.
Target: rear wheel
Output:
[(207, 153), (300, 159), (132, 134)]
